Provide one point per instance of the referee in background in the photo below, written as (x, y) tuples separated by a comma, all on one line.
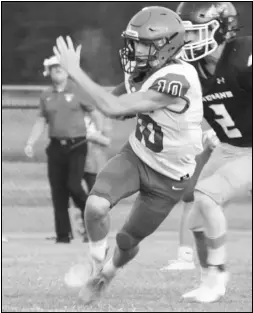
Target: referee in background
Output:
[(63, 108)]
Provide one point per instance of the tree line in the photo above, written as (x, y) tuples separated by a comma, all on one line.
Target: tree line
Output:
[(29, 30)]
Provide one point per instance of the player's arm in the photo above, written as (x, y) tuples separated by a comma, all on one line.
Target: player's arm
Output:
[(139, 102), (107, 103), (119, 90)]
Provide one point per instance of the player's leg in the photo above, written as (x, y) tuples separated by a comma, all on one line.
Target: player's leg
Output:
[(156, 199), (185, 259), (146, 216), (185, 256), (195, 219), (232, 179), (118, 179)]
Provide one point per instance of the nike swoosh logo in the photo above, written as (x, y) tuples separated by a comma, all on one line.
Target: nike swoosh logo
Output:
[(175, 188)]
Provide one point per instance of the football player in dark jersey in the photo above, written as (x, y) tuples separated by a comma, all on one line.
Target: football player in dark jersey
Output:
[(224, 64), (160, 156)]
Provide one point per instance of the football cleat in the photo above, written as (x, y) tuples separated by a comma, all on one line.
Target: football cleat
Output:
[(79, 274), (212, 288), (95, 287), (194, 292)]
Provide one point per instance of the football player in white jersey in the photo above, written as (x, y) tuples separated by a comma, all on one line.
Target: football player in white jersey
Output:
[(159, 157)]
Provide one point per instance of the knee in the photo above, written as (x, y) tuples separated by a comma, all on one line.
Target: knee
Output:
[(126, 241), (208, 209), (96, 208)]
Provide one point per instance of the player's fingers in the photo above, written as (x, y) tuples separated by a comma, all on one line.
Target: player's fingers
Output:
[(78, 50), (70, 43), (61, 45)]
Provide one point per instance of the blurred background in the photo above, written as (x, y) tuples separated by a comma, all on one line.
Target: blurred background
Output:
[(29, 30)]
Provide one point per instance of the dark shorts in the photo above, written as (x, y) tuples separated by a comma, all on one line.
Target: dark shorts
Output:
[(125, 174)]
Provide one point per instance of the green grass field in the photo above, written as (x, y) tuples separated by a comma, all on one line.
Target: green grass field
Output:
[(33, 271), (33, 267)]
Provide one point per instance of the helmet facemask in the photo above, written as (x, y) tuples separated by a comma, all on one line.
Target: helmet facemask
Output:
[(132, 63), (204, 45)]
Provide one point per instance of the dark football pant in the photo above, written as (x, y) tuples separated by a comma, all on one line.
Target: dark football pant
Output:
[(124, 175), (65, 172)]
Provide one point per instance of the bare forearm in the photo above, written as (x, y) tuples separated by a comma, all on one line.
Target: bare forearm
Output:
[(105, 102), (37, 130)]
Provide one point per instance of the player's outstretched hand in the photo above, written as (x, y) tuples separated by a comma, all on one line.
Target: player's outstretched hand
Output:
[(67, 55), (29, 151)]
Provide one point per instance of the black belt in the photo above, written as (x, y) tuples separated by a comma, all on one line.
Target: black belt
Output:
[(73, 142)]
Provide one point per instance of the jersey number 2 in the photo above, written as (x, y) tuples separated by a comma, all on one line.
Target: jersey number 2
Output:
[(225, 121), (148, 130)]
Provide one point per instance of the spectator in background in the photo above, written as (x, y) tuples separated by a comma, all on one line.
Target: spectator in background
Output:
[(63, 107), (99, 138)]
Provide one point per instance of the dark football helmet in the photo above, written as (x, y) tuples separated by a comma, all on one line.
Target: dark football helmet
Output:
[(212, 22), (158, 28)]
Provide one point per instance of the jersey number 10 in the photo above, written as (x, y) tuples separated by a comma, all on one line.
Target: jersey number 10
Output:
[(225, 121), (148, 130)]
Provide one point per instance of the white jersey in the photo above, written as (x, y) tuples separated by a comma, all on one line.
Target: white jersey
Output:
[(168, 140)]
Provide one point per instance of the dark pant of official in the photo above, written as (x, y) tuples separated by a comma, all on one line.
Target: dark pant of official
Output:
[(66, 162)]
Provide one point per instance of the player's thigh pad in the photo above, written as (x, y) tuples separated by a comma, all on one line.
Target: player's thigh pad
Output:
[(119, 178), (233, 177)]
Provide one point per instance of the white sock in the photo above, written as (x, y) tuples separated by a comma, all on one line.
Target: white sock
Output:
[(98, 249), (109, 268), (185, 253)]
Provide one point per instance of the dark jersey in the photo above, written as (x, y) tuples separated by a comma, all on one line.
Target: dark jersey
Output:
[(227, 95)]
